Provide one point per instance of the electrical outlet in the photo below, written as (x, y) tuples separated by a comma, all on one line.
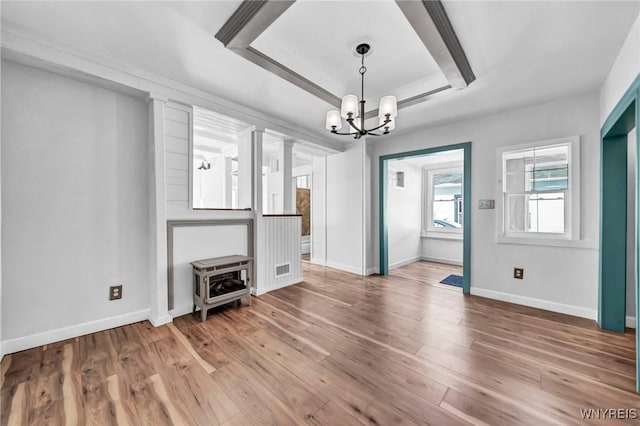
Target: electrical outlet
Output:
[(115, 292), (518, 273)]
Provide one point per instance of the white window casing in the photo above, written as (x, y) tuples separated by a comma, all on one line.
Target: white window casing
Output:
[(525, 176)]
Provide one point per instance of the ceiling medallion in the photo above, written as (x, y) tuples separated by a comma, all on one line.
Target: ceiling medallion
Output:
[(350, 110)]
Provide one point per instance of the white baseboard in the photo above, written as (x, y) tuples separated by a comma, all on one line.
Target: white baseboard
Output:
[(157, 322), (346, 268), (306, 248), (576, 311), (38, 339), (320, 262), (630, 322), (395, 265), (261, 291), (441, 260), (371, 271)]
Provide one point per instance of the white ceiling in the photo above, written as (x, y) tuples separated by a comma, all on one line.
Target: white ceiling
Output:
[(521, 52), (301, 40)]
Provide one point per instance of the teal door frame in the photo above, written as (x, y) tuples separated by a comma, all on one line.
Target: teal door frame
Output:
[(612, 279), (466, 207)]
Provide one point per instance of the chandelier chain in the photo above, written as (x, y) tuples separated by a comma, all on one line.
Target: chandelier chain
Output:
[(362, 70)]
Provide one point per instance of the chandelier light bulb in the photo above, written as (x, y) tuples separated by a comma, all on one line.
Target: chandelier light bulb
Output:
[(350, 105), (388, 105), (333, 120)]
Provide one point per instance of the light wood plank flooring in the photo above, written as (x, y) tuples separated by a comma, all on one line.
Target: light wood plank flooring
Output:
[(338, 349)]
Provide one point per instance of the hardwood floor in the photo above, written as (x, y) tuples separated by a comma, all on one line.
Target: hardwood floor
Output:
[(338, 349)]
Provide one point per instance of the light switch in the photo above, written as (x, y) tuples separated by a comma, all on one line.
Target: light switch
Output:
[(487, 204)]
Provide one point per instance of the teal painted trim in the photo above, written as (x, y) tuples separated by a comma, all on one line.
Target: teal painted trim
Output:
[(466, 220), (613, 234), (622, 119), (382, 218), (637, 242), (623, 104)]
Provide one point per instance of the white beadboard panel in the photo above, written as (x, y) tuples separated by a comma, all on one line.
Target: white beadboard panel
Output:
[(178, 192), (202, 242), (175, 113), (176, 208), (177, 145), (177, 173), (177, 180), (178, 119), (175, 129), (283, 240), (177, 161)]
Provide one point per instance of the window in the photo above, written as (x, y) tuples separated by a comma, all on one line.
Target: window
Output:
[(302, 181), (221, 162), (443, 207), (540, 190)]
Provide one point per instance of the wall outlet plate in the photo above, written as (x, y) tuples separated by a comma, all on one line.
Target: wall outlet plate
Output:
[(115, 292), (518, 273)]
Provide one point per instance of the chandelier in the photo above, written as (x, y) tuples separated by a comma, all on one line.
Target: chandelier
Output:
[(352, 108)]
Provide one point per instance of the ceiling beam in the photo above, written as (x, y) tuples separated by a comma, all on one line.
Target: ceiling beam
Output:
[(430, 21), (246, 24)]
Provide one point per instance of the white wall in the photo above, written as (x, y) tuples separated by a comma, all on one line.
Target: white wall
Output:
[(344, 213), (556, 278), (75, 206), (624, 70), (442, 250), (404, 213), (319, 210)]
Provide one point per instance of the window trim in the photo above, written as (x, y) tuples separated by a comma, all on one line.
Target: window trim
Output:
[(572, 201), (428, 230)]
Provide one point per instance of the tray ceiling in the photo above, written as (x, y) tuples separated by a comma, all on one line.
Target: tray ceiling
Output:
[(399, 63)]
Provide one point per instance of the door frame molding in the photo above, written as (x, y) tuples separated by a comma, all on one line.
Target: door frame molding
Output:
[(466, 208), (612, 297)]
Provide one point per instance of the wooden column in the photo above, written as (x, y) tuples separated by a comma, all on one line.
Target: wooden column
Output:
[(159, 301)]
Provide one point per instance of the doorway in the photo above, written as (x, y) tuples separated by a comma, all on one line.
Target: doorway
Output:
[(620, 129), (302, 185), (384, 169)]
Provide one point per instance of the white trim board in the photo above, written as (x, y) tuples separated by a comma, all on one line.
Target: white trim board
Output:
[(561, 308), (60, 334), (441, 260), (261, 291), (404, 262), (346, 268), (630, 322), (372, 270)]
